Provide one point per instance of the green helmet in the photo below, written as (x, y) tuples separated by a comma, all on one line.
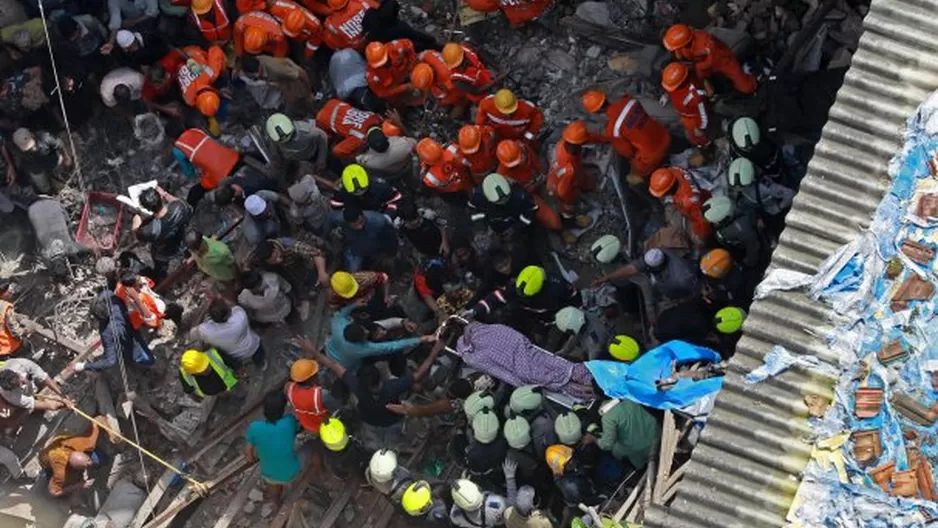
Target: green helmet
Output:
[(496, 188), (746, 134), (570, 319), (741, 173), (279, 128), (606, 249), (569, 428), (485, 427), (476, 402), (718, 209), (525, 398), (729, 320), (517, 432)]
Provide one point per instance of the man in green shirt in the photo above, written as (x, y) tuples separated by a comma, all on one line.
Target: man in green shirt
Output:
[(211, 256), (628, 432)]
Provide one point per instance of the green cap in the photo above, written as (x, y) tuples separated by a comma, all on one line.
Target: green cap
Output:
[(568, 427), (525, 398), (517, 432), (485, 426), (476, 402)]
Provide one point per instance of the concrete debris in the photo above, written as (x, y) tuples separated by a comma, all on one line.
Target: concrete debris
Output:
[(624, 63), (255, 495), (248, 508), (594, 12), (562, 60), (841, 59), (267, 510), (121, 505), (593, 52)]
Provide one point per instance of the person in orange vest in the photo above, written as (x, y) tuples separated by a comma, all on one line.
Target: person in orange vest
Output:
[(676, 186), (11, 332), (690, 100), (299, 24), (302, 391), (709, 55), (357, 128), (444, 170), (145, 306), (258, 33), (516, 11), (517, 161), (389, 66), (199, 154), (195, 78), (468, 74), (212, 20), (477, 144), (567, 178), (510, 117), (343, 27), (631, 131)]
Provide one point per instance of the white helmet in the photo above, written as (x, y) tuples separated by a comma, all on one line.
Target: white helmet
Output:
[(741, 173), (570, 319), (467, 495), (746, 135), (718, 209), (496, 188), (606, 249), (382, 465), (279, 128)]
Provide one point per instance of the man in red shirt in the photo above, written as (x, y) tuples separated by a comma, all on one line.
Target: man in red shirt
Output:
[(469, 76), (389, 66), (212, 20), (304, 394), (444, 170), (258, 33), (690, 100), (477, 144), (566, 178), (709, 55), (343, 27), (510, 117), (355, 127), (517, 161)]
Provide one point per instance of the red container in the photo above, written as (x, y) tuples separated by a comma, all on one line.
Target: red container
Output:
[(99, 227)]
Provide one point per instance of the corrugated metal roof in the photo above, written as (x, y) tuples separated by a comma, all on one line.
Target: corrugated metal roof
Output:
[(747, 466)]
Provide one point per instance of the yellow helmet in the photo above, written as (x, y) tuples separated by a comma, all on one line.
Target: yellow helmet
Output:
[(624, 348), (505, 101), (333, 435), (194, 362), (557, 457), (531, 280), (417, 499), (355, 179), (344, 284)]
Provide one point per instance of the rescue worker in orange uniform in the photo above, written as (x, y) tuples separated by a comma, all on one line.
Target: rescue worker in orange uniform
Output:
[(676, 186), (212, 20), (389, 67), (356, 127), (296, 22), (343, 27), (467, 72), (196, 76), (433, 75), (11, 332), (212, 161), (258, 33), (517, 161), (303, 392), (444, 170), (630, 131), (709, 55), (510, 117), (516, 11), (477, 144), (690, 100), (567, 178)]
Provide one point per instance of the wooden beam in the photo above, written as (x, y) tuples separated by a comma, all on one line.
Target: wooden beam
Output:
[(102, 394), (630, 500), (156, 494), (338, 505), (237, 501)]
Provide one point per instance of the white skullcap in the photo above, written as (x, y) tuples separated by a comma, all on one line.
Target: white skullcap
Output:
[(125, 38), (654, 257), (255, 205), (930, 365)]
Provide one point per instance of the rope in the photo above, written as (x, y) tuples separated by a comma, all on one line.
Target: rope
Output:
[(133, 418)]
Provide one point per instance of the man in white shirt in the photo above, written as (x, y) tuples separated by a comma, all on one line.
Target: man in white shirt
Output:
[(265, 295), (228, 330), (121, 85)]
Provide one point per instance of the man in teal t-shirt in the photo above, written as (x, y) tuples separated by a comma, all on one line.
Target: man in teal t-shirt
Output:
[(271, 441)]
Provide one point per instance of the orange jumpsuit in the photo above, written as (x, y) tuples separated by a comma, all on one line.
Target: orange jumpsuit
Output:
[(484, 160), (390, 80), (311, 35), (276, 40), (524, 123), (214, 160), (343, 28), (442, 88), (690, 101), (472, 73), (688, 200), (567, 179), (635, 135), (516, 11), (318, 7), (199, 72), (449, 175), (710, 55), (344, 120), (214, 25), (527, 170)]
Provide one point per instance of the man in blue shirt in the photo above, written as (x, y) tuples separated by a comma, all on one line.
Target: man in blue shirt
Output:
[(271, 442), (367, 235), (348, 341)]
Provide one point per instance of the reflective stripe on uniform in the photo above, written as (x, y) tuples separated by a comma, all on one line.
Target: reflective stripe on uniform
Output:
[(621, 119), (335, 113), (702, 110), (509, 122)]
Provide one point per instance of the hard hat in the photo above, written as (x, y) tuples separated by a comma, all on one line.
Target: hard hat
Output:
[(741, 173), (429, 151), (557, 457), (624, 348), (453, 54), (303, 369), (496, 188), (531, 280), (382, 465), (568, 428), (344, 284), (255, 39), (279, 128), (576, 133), (208, 102), (294, 23), (194, 362), (24, 139), (570, 319), (673, 76), (377, 54), (717, 209), (470, 138), (390, 129), (517, 432), (509, 152), (593, 100), (335, 5), (745, 133), (355, 179), (525, 398), (678, 36), (505, 101), (477, 402), (663, 181), (654, 258), (418, 497), (421, 77), (333, 435), (729, 320), (606, 249), (485, 426), (716, 263), (466, 495), (200, 7)]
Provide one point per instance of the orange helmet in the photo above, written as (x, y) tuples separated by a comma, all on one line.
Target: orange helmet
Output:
[(390, 129), (716, 263), (453, 54), (509, 152), (255, 39), (208, 102), (470, 139), (377, 54), (576, 133), (674, 75), (200, 7), (593, 100), (429, 151), (678, 36), (335, 5), (294, 23), (662, 181), (421, 77)]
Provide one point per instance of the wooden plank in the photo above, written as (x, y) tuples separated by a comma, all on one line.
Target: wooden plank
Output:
[(633, 496), (237, 501), (156, 493), (106, 406), (338, 505)]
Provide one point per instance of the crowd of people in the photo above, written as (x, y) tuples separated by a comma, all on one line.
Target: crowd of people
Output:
[(404, 235)]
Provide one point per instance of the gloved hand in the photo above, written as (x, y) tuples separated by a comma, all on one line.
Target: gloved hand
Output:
[(510, 467), (80, 366), (827, 452)]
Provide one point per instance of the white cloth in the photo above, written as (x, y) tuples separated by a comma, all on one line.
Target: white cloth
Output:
[(125, 38), (272, 304), (347, 71), (493, 509), (255, 205), (129, 77), (24, 397), (395, 159), (234, 336)]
